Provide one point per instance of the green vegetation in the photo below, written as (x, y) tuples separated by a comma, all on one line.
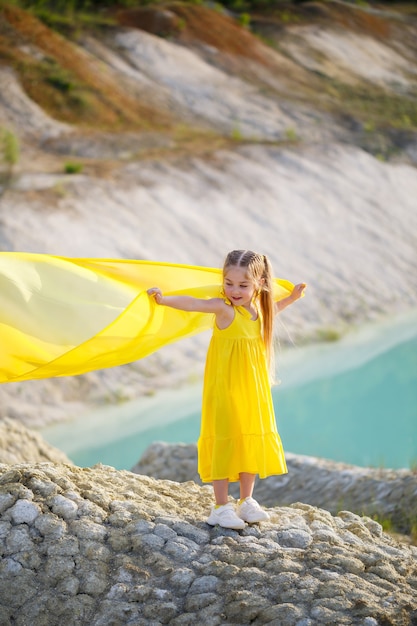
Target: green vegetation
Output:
[(52, 85), (9, 148), (386, 523), (406, 526), (236, 134), (287, 17), (244, 20), (9, 155), (291, 134), (328, 334), (68, 7), (375, 107), (72, 167), (73, 6), (61, 13), (69, 17), (387, 120)]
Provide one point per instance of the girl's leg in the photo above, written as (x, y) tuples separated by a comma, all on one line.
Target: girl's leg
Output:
[(223, 513), (221, 491), (247, 483), (248, 509)]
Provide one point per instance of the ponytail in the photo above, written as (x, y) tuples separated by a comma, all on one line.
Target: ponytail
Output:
[(267, 308)]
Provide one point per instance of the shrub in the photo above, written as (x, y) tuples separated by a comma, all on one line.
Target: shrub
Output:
[(10, 148), (236, 134), (291, 134), (328, 334), (244, 20), (71, 167)]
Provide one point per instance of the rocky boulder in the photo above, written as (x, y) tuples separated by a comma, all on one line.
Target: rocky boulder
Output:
[(104, 547), (18, 444), (390, 495)]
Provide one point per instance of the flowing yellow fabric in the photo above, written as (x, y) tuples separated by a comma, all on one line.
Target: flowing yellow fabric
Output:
[(67, 316)]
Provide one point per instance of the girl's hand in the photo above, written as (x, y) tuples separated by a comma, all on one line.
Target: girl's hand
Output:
[(156, 293), (298, 291), (295, 295)]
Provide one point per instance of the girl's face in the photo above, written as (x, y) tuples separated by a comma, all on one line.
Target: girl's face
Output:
[(238, 288)]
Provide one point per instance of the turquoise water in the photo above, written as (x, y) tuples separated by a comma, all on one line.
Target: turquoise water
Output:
[(354, 400), (366, 416)]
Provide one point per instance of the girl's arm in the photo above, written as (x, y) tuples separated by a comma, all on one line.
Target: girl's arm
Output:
[(188, 303), (296, 294)]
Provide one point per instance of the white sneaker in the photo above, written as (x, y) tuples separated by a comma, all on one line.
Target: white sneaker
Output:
[(251, 512), (226, 517)]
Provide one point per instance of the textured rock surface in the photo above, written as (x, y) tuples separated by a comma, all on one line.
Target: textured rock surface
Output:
[(390, 494), (331, 205), (21, 445), (104, 547)]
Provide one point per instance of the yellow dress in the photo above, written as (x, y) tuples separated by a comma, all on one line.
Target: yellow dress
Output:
[(64, 316), (238, 428)]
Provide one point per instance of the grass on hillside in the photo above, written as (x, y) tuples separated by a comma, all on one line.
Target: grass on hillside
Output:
[(76, 88), (66, 81)]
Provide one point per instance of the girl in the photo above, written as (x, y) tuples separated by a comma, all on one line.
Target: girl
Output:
[(238, 437)]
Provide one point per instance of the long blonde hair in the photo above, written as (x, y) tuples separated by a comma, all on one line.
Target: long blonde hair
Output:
[(258, 267)]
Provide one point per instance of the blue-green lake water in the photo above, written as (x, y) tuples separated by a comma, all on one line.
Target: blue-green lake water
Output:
[(354, 400)]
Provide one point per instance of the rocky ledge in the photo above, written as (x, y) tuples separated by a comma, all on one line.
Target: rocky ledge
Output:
[(104, 547), (20, 444), (389, 495)]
